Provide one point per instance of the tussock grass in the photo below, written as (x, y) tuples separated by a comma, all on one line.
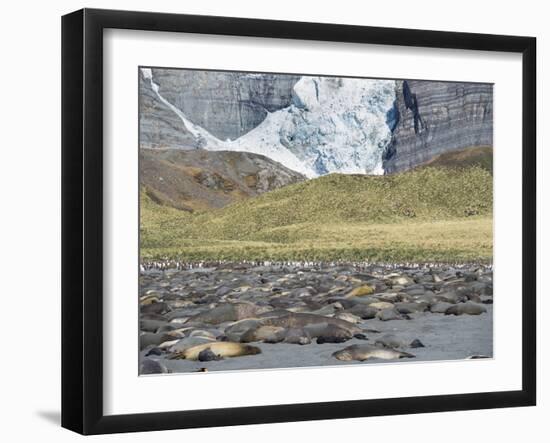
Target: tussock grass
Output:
[(429, 214)]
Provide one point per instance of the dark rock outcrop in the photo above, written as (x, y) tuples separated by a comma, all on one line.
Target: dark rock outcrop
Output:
[(200, 179), (437, 117)]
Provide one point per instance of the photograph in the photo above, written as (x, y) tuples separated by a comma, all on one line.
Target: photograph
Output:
[(295, 220)]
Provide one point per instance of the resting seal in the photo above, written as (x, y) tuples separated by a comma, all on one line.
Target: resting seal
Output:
[(221, 349), (468, 308), (148, 366), (311, 322), (366, 352), (297, 336), (391, 341), (265, 333), (226, 312), (391, 314)]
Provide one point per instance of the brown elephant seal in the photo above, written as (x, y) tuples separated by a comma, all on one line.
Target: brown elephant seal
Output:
[(365, 352), (467, 308), (381, 305), (265, 333), (148, 300), (222, 349), (361, 291)]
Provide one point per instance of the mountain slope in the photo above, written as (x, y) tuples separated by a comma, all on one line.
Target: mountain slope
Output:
[(481, 156), (438, 117), (198, 179)]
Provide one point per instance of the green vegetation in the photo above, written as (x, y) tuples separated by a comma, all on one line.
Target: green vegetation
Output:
[(428, 214), (481, 156)]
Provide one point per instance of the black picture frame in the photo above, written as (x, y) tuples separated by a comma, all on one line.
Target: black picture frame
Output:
[(82, 219)]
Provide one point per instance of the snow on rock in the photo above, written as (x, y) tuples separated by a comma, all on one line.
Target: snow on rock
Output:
[(333, 125)]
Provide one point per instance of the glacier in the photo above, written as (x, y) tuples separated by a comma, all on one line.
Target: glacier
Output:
[(333, 125)]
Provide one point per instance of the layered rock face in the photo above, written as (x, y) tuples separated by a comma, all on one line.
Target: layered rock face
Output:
[(314, 125), (226, 104), (438, 117), (160, 126)]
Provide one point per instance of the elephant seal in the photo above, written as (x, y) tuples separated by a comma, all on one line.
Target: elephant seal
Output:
[(363, 311), (203, 334), (225, 312), (220, 348), (361, 291), (391, 314), (392, 297), (410, 308), (208, 355), (366, 352), (450, 297), (148, 300), (416, 343), (149, 325), (235, 330), (328, 309), (440, 307), (331, 334), (347, 316), (382, 305), (297, 336), (391, 341), (155, 308), (311, 322), (265, 333), (186, 343), (148, 366), (467, 308), (148, 338)]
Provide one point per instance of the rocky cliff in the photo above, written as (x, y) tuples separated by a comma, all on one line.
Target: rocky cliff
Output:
[(314, 125), (432, 118), (226, 104)]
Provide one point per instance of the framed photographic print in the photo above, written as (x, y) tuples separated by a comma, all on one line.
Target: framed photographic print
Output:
[(270, 221)]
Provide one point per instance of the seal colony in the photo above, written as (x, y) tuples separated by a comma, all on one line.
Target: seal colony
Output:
[(229, 316)]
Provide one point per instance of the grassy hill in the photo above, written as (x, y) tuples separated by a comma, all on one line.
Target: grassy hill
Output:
[(442, 214), (481, 156)]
